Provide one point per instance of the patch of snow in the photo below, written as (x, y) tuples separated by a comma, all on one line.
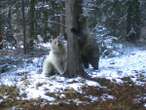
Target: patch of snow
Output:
[(107, 97), (92, 83), (145, 105), (39, 86), (93, 98), (45, 45), (104, 97), (123, 66), (1, 100)]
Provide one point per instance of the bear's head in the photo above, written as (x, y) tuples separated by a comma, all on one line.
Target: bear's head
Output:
[(57, 45)]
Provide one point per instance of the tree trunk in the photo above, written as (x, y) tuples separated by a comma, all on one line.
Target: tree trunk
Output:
[(32, 26), (1, 29), (62, 29), (10, 19), (1, 40), (46, 28), (72, 12), (24, 26), (1, 37), (9, 33), (133, 21)]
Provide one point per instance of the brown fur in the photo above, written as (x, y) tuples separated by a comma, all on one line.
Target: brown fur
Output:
[(89, 49)]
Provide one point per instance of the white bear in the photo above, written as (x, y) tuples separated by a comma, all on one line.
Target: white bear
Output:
[(55, 61)]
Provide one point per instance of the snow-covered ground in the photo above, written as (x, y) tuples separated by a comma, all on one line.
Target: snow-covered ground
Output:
[(132, 64), (33, 85)]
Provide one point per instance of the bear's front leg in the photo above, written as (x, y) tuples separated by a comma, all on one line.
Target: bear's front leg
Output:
[(47, 68), (59, 68)]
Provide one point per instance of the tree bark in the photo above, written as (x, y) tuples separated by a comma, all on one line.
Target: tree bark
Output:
[(72, 12), (24, 26), (133, 21), (32, 26), (1, 32), (62, 22), (46, 28)]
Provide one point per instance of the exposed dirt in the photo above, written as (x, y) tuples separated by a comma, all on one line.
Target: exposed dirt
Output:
[(126, 96)]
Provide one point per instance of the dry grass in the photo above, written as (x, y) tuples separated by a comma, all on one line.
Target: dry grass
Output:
[(125, 96)]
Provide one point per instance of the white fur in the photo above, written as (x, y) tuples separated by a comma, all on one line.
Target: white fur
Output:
[(54, 61)]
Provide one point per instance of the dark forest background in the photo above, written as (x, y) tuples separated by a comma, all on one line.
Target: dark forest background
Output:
[(27, 21)]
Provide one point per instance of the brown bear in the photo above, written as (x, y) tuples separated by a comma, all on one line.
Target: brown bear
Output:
[(89, 49)]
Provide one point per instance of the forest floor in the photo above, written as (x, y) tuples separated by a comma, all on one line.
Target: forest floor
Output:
[(119, 84)]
